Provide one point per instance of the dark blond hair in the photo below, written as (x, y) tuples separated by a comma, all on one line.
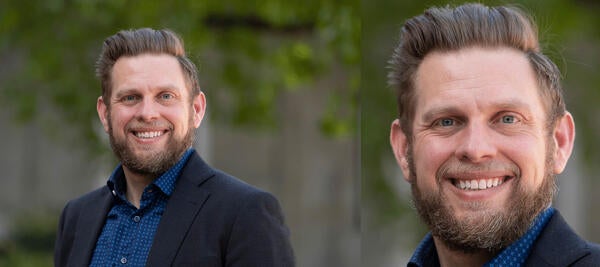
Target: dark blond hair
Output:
[(450, 29), (141, 41)]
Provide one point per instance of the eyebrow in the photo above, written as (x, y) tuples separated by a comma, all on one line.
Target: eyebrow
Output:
[(508, 104), (134, 90), (437, 111)]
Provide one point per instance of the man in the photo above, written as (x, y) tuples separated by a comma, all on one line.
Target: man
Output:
[(163, 206), (482, 131)]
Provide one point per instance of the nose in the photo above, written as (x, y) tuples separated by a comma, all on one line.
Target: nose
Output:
[(148, 110), (476, 143)]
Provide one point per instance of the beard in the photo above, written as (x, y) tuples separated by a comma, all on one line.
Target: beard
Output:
[(483, 230), (157, 162)]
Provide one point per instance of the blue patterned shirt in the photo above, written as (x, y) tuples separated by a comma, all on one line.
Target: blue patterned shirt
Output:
[(514, 255), (128, 232)]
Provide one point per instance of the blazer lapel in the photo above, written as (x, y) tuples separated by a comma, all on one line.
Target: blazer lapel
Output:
[(558, 245), (182, 208), (89, 224)]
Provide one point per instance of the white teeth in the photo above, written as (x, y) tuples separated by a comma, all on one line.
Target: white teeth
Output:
[(148, 134), (482, 184), (479, 184)]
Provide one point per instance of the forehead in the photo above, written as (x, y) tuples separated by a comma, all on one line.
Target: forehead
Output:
[(147, 71), (475, 75)]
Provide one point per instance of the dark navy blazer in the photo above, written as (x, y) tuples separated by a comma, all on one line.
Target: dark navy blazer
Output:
[(211, 219), (559, 245)]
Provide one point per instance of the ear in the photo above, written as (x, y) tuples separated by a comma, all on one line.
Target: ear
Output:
[(564, 137), (199, 106), (399, 143), (102, 113)]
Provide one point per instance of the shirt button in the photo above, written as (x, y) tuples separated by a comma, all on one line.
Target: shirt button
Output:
[(136, 219), (123, 260)]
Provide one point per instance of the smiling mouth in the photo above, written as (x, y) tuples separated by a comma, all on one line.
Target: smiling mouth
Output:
[(148, 134), (479, 184)]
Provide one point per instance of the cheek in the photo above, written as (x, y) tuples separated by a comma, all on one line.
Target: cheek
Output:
[(179, 118), (118, 120), (429, 155), (529, 154)]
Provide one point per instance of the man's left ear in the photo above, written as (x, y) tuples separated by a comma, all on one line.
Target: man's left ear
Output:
[(199, 106), (564, 138)]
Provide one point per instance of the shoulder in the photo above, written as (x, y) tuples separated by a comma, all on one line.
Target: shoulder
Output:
[(591, 259), (217, 183), (243, 222), (93, 200), (559, 245), (233, 183), (231, 189), (224, 196), (229, 198), (257, 233), (82, 201)]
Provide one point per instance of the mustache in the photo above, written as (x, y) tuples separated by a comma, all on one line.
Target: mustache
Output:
[(454, 168)]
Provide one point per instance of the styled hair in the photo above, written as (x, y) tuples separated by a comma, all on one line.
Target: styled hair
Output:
[(450, 29), (141, 41)]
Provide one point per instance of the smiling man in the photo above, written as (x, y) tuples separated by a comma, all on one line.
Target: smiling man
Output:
[(163, 206), (481, 133)]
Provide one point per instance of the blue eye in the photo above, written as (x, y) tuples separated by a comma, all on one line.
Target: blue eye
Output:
[(130, 98), (166, 96), (509, 119), (446, 122)]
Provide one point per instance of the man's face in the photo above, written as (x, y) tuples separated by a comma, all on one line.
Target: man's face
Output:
[(151, 117), (481, 160)]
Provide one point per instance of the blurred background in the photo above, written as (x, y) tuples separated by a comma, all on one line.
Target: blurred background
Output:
[(281, 78), (569, 35), (284, 113)]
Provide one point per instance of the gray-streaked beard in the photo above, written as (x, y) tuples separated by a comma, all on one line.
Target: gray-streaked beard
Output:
[(156, 164), (486, 230)]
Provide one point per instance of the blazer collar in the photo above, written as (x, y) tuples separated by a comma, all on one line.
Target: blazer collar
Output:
[(557, 245), (182, 208)]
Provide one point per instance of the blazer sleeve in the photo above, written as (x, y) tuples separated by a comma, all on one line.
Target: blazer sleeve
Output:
[(259, 236), (64, 240)]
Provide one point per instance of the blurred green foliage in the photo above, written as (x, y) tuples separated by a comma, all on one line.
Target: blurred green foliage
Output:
[(31, 241), (248, 53), (569, 34)]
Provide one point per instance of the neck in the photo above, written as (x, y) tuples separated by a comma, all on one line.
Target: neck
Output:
[(449, 257), (136, 183)]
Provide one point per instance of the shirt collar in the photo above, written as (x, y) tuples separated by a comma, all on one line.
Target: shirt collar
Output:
[(516, 254), (426, 254), (166, 182)]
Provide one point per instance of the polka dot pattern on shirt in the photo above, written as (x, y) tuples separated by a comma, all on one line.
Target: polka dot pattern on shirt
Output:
[(516, 254), (128, 233)]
